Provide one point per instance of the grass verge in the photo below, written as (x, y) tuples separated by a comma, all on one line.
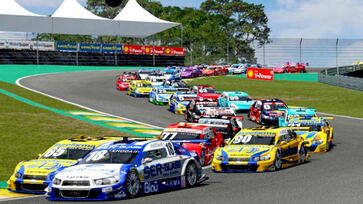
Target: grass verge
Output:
[(26, 131), (324, 98)]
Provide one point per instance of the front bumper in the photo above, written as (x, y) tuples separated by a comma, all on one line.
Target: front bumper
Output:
[(27, 186), (225, 166)]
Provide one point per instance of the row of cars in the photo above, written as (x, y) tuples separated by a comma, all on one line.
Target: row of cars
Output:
[(109, 168)]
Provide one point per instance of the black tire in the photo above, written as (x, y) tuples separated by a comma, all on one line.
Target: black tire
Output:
[(302, 154), (278, 162), (191, 174), (327, 147), (133, 185), (202, 158)]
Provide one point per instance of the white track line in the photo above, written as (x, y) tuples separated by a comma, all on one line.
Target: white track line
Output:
[(79, 105), (341, 116)]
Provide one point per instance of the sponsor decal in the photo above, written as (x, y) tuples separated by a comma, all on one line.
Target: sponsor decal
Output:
[(88, 47), (151, 187), (172, 183), (260, 74), (67, 46), (111, 48), (161, 169)]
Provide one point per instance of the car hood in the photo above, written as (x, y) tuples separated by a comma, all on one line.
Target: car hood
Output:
[(308, 135), (91, 171), (242, 103), (45, 166), (245, 150), (144, 89), (214, 96), (276, 113)]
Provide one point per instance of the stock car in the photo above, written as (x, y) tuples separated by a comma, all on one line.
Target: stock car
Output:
[(144, 73), (190, 72), (179, 85), (290, 68), (139, 88), (295, 112), (156, 78), (172, 73), (160, 95), (126, 169), (316, 131), (123, 80), (205, 107), (215, 70), (179, 101), (35, 175), (198, 138), (228, 126), (267, 112), (206, 91), (239, 101), (241, 69), (259, 150)]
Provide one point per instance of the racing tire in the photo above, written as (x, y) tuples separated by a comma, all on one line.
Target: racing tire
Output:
[(327, 146), (191, 174), (133, 185), (302, 154), (202, 158), (277, 165)]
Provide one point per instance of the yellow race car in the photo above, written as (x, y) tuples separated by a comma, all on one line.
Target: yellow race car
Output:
[(139, 88), (34, 176), (260, 149)]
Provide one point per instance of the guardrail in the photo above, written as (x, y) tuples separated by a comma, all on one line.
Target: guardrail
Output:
[(335, 77)]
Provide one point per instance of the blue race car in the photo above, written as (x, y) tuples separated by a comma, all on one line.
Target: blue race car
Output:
[(160, 95), (126, 169), (172, 73), (179, 101), (239, 101), (291, 114)]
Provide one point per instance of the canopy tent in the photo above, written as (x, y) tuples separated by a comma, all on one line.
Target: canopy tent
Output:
[(13, 17), (72, 18)]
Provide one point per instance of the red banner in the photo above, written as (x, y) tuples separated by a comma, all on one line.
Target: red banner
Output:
[(150, 50), (178, 51), (260, 74), (133, 49)]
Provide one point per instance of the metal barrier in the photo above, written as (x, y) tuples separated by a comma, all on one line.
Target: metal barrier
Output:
[(335, 77)]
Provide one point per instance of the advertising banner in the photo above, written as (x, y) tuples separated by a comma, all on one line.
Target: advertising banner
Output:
[(177, 51), (260, 74), (90, 47), (148, 50), (67, 46), (159, 50), (133, 49), (19, 45), (111, 48), (43, 45)]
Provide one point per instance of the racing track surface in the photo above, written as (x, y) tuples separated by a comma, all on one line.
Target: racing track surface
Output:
[(335, 177)]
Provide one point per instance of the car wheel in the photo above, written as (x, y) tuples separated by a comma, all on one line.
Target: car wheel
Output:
[(191, 174), (302, 155), (202, 158), (132, 184), (278, 162), (327, 146)]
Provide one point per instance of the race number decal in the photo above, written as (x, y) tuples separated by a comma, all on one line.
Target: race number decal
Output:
[(242, 139), (54, 152), (168, 135), (95, 156)]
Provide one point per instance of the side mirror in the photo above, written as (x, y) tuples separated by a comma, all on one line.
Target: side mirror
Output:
[(147, 160)]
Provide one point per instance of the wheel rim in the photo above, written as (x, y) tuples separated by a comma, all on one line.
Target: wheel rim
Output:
[(278, 161), (133, 184), (191, 175)]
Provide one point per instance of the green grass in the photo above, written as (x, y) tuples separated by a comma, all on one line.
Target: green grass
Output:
[(26, 131), (324, 98)]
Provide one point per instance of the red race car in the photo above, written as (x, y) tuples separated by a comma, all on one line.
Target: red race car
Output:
[(198, 138), (267, 112), (206, 91), (291, 68), (215, 70), (123, 80)]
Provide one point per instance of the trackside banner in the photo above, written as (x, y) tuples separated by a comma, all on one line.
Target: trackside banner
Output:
[(89, 47), (67, 46), (260, 74), (43, 45), (112, 48)]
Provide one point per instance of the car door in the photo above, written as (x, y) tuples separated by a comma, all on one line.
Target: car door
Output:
[(284, 140), (293, 145)]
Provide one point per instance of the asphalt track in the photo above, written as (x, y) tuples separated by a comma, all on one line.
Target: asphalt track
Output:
[(335, 177)]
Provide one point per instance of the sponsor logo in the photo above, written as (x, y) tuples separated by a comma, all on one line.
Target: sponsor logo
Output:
[(161, 169), (151, 187), (172, 183), (260, 74)]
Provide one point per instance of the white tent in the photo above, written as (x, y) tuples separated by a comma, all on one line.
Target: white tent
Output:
[(72, 18), (14, 17), (135, 21)]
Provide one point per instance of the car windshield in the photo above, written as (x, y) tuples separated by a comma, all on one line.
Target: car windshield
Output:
[(239, 98), (207, 90), (115, 156), (67, 152), (273, 106), (254, 138), (180, 136), (313, 127), (213, 121)]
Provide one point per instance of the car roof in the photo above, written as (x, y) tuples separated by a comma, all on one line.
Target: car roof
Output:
[(127, 144), (235, 93)]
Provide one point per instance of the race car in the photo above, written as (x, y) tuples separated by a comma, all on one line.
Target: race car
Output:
[(181, 86), (239, 101), (139, 88), (241, 69), (123, 80), (316, 131), (156, 78), (160, 95), (295, 112), (206, 91), (215, 70), (228, 126), (267, 112), (205, 107), (261, 149), (290, 68), (179, 101), (233, 67), (172, 73), (35, 175), (126, 169), (190, 72), (194, 137), (144, 73)]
